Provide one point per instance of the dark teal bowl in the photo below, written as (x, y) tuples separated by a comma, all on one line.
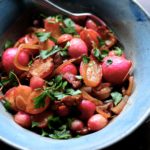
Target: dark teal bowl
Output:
[(132, 27)]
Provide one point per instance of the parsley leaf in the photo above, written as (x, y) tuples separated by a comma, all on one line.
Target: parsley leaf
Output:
[(79, 77), (43, 36), (61, 133), (70, 26), (118, 51), (101, 42), (100, 54), (8, 44), (73, 92), (7, 105), (34, 124), (46, 53), (116, 97), (85, 59), (59, 95), (40, 100), (44, 133)]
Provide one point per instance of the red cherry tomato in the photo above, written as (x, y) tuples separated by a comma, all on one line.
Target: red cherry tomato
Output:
[(91, 73)]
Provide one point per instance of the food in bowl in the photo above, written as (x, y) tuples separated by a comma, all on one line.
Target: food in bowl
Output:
[(64, 79)]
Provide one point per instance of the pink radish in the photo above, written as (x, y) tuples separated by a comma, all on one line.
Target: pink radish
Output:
[(115, 69), (77, 48), (97, 122), (36, 82)]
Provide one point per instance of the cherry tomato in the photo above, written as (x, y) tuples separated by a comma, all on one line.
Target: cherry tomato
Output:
[(91, 73)]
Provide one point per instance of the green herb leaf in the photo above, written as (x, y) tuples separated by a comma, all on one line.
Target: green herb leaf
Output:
[(118, 51), (34, 124), (65, 83), (70, 26), (59, 95), (79, 77), (44, 133), (61, 133), (40, 100), (73, 92), (46, 53), (85, 59), (59, 18), (117, 97), (100, 54), (8, 44), (43, 36), (109, 62), (58, 79), (7, 105), (101, 42)]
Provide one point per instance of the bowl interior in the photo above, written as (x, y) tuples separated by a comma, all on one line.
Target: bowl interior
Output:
[(132, 28)]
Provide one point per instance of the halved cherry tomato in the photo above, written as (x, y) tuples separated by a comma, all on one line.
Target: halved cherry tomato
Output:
[(52, 26), (91, 73), (90, 37), (90, 24)]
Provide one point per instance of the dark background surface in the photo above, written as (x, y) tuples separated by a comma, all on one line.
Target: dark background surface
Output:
[(138, 140)]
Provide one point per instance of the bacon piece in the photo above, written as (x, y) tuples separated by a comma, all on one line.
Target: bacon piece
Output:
[(71, 100), (71, 78)]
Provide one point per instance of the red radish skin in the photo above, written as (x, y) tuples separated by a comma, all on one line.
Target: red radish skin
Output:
[(69, 68), (36, 82), (77, 125), (116, 71), (77, 48), (87, 109), (90, 24), (97, 122), (23, 119), (8, 60)]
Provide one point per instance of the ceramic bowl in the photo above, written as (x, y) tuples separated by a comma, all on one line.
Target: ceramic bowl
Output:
[(132, 27)]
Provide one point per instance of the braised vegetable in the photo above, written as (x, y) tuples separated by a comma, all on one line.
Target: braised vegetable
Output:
[(63, 79)]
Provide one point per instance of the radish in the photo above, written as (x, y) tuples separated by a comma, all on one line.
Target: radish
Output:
[(77, 48), (76, 125), (87, 109), (22, 119), (97, 122), (69, 68), (115, 69), (36, 82), (8, 60)]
